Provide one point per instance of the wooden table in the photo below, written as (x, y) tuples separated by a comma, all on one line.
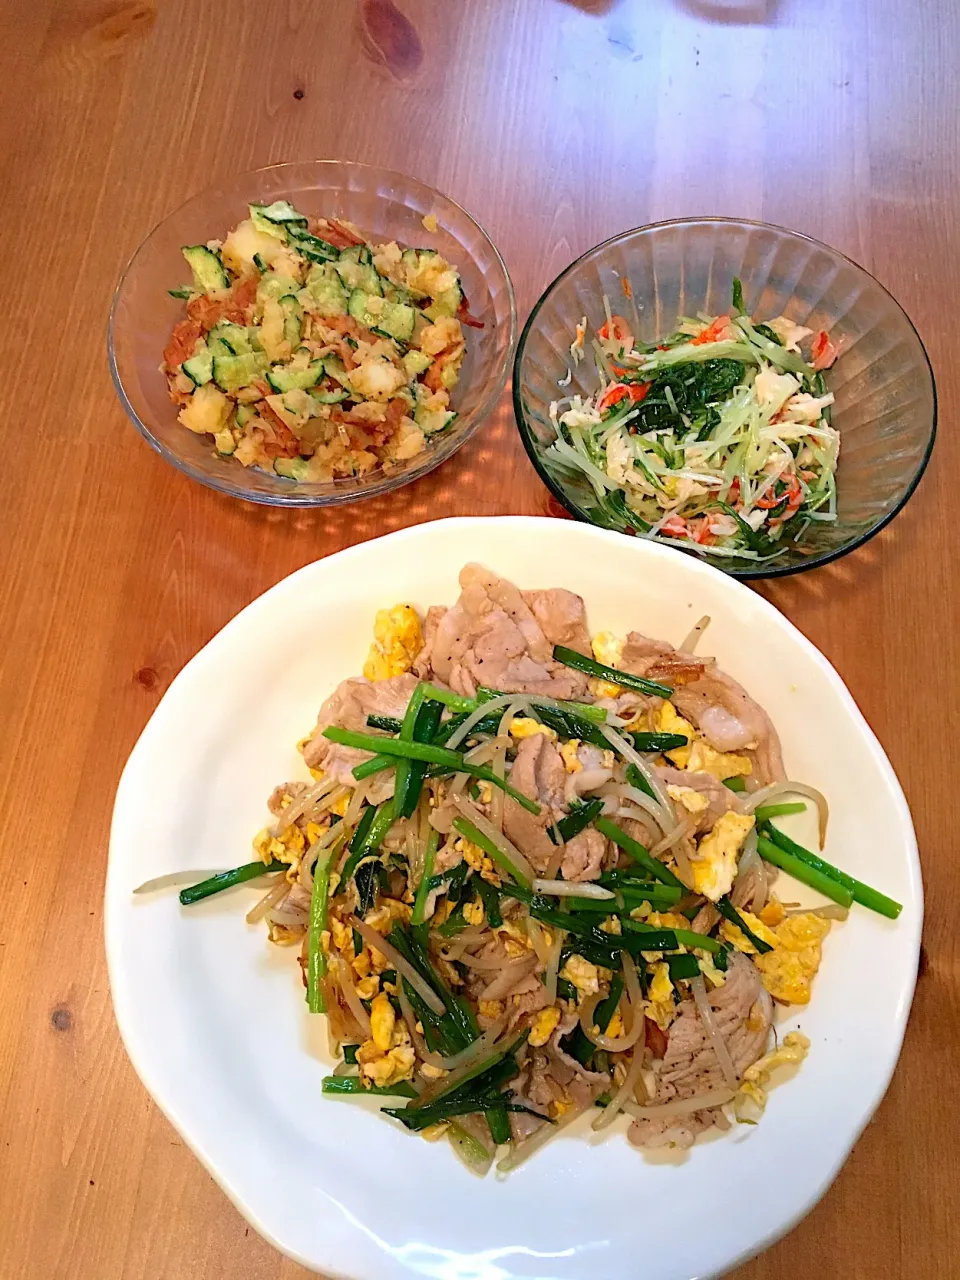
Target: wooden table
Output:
[(557, 124)]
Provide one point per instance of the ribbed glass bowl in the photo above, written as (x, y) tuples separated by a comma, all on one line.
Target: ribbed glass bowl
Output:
[(886, 405), (385, 206)]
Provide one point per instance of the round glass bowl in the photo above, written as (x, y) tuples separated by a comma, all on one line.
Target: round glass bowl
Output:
[(385, 206), (886, 404)]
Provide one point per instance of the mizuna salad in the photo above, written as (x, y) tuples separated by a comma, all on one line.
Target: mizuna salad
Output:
[(717, 437), (312, 354), (534, 876)]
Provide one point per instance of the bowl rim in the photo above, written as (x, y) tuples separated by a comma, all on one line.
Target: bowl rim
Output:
[(783, 571), (295, 499)]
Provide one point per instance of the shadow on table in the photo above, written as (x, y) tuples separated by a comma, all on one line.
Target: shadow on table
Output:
[(727, 12), (753, 13), (598, 7)]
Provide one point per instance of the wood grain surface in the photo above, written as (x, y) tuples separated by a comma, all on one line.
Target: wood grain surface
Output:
[(557, 124)]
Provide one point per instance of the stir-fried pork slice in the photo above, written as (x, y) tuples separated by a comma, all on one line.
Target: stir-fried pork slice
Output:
[(594, 771), (730, 720), (423, 664), (656, 660), (496, 636), (539, 773), (680, 1132), (583, 856), (348, 706), (714, 702), (743, 1013), (720, 798), (279, 794)]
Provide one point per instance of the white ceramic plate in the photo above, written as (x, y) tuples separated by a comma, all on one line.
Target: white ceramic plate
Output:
[(214, 1018)]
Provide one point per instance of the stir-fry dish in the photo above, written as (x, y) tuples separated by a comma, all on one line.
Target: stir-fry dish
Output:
[(535, 875), (309, 353), (716, 437)]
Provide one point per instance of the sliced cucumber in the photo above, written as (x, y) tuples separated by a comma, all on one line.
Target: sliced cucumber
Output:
[(199, 368), (329, 397), (445, 304), (285, 379), (233, 337), (298, 402), (208, 272), (275, 285), (312, 247), (430, 421), (262, 224), (325, 295), (361, 276), (337, 370), (226, 445), (292, 468), (396, 320), (233, 372), (186, 292), (351, 253), (415, 362), (359, 307), (292, 319), (281, 211), (272, 331), (244, 413)]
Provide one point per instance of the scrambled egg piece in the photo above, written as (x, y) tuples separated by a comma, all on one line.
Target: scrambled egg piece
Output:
[(390, 1069), (615, 1026), (773, 913), (544, 1025), (527, 727), (571, 761), (491, 1009), (692, 801), (339, 807), (670, 721), (383, 1019), (288, 848), (608, 649), (517, 941), (473, 912), (661, 988), (342, 936), (714, 865), (710, 970), (389, 911), (659, 1003), (397, 639), (475, 857), (368, 987), (611, 925), (791, 1053), (429, 222), (667, 920), (739, 939), (386, 1066), (581, 974), (719, 764), (789, 969)]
